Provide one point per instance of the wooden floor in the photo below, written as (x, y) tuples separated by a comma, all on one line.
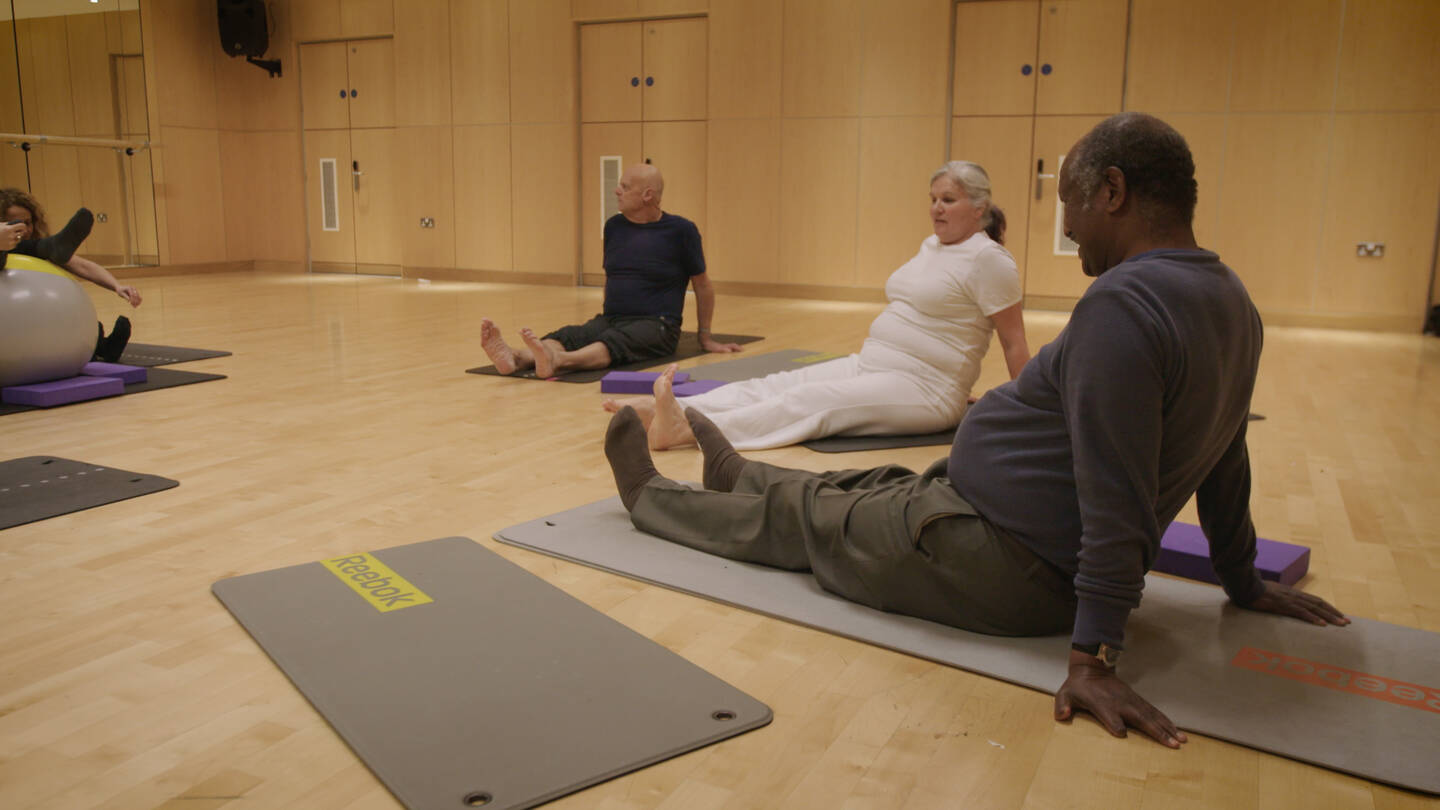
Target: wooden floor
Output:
[(347, 424)]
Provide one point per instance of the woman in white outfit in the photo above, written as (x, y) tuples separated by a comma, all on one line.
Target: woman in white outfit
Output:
[(915, 370)]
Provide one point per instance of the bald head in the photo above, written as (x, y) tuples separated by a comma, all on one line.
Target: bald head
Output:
[(639, 192)]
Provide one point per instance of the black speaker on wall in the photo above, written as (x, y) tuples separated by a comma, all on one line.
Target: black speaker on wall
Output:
[(245, 31)]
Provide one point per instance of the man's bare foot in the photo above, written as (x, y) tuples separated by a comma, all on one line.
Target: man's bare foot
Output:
[(496, 348), (644, 407), (544, 355), (668, 428)]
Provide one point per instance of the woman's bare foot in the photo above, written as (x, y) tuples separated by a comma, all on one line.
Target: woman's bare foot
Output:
[(496, 348), (544, 355), (644, 407), (668, 428)]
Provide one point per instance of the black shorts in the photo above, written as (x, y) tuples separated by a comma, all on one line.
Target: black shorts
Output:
[(628, 339)]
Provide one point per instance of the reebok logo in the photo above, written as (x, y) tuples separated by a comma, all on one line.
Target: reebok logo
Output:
[(376, 583), (1415, 696)]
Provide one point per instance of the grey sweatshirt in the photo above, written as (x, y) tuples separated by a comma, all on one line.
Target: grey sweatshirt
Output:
[(1141, 402)]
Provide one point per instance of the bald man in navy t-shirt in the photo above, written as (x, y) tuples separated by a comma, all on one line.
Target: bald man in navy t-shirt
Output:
[(650, 257)]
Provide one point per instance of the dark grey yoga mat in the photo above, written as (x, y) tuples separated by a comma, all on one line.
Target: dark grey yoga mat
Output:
[(39, 487), (688, 347), (1362, 699), (475, 678), (150, 354), (156, 378)]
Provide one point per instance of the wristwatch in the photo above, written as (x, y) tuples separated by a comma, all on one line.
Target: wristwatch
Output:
[(1107, 655)]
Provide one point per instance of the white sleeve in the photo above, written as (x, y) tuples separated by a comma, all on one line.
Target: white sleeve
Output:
[(994, 281)]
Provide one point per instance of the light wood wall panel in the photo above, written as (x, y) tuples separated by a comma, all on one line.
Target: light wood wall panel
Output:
[(101, 191), (625, 140), (821, 58), (1285, 55), (1383, 185), (192, 189), (482, 198), (612, 67), (122, 31), (315, 19), (591, 9), (1083, 41), (337, 246), (369, 18), (422, 63), (743, 205), (480, 62), (542, 187), (745, 57), (994, 43), (143, 224), (55, 181), (677, 148), (91, 85), (1389, 56), (130, 80), (1205, 135), (819, 195), (1179, 56), (237, 172), (897, 156), (186, 60), (1271, 200), (324, 82), (370, 64), (905, 59), (44, 55), (1002, 145), (379, 212), (12, 161), (542, 62), (1046, 274), (425, 166), (273, 197), (675, 59)]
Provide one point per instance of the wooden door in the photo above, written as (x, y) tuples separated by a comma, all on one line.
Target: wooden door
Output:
[(1002, 145), (371, 67), (605, 151), (377, 201), (325, 85), (1052, 268), (1081, 57), (329, 190), (675, 70), (995, 69), (611, 72)]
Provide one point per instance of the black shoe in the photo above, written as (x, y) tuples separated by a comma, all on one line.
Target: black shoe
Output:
[(112, 347)]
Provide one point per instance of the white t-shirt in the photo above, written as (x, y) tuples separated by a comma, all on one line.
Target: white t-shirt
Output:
[(937, 325)]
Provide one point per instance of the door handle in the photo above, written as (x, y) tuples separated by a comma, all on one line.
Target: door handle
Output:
[(355, 173), (1040, 178)]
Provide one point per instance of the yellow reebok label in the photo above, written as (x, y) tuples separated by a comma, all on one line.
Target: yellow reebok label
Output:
[(376, 583)]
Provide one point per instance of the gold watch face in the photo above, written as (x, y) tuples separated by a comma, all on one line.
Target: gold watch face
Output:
[(1108, 655)]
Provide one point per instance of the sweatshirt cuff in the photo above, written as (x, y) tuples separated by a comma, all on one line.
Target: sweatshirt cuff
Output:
[(1100, 622), (1243, 586)]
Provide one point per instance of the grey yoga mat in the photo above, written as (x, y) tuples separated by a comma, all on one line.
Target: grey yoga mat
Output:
[(462, 680), (150, 354), (39, 487), (688, 347), (1362, 699)]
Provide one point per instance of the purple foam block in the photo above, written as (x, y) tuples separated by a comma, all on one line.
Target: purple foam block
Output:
[(694, 387), (126, 374), (62, 392), (1184, 552), (634, 382)]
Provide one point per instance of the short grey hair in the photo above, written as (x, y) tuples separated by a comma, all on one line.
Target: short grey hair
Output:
[(974, 181)]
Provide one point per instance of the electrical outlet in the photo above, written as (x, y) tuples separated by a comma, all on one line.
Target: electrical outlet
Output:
[(427, 222), (1370, 250)]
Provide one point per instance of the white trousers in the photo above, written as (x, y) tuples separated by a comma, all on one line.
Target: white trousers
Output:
[(835, 398)]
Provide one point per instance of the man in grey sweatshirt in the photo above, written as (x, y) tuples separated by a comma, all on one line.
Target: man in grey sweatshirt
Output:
[(1049, 510)]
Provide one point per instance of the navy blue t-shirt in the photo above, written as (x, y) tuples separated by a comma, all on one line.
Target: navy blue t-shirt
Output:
[(648, 266)]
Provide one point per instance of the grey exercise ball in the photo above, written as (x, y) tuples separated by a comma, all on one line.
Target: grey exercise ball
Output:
[(47, 323)]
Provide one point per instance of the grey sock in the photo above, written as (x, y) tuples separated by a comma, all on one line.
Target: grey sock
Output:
[(722, 463), (629, 454)]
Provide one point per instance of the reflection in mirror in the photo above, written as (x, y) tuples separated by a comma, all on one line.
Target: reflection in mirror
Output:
[(72, 82)]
